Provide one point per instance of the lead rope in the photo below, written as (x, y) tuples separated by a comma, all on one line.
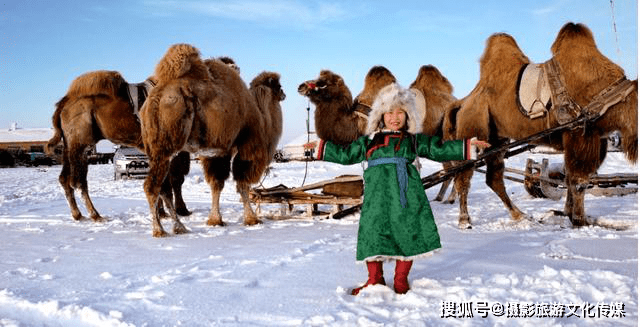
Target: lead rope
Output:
[(310, 154), (615, 30)]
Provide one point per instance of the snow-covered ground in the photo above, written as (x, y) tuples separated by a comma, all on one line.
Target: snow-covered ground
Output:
[(540, 272)]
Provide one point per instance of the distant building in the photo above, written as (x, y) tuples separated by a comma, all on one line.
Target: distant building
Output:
[(17, 139), (294, 150)]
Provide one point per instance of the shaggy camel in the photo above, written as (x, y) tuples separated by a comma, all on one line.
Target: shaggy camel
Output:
[(434, 94), (491, 112), (204, 107), (335, 117), (102, 105)]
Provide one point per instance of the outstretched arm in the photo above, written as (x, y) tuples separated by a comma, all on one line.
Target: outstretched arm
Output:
[(346, 155)]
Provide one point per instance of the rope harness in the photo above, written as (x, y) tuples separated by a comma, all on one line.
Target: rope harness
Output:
[(538, 79)]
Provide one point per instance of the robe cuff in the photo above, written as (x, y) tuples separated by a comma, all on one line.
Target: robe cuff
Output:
[(321, 144), (471, 151)]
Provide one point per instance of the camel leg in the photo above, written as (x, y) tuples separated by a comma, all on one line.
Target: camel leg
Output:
[(495, 180), (165, 191), (462, 184), (179, 168), (574, 204), (452, 196), (78, 178), (216, 171), (443, 190), (79, 172), (158, 169), (581, 161), (215, 217), (246, 172), (250, 217), (65, 182), (178, 227), (93, 213)]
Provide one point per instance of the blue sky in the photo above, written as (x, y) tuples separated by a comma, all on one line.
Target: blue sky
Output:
[(44, 44)]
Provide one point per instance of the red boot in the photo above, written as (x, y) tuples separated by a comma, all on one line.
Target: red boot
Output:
[(400, 280), (375, 276)]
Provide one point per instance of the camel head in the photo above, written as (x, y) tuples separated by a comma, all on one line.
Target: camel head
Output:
[(377, 78), (327, 87), (269, 81), (230, 62)]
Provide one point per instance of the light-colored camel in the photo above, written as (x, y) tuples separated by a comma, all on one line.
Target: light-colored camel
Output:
[(204, 107), (102, 105), (490, 112)]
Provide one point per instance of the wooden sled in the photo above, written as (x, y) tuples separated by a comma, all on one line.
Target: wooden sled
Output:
[(339, 192), (544, 181)]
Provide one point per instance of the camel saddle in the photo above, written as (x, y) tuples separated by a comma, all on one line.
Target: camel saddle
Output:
[(138, 94), (421, 103), (541, 88), (533, 92)]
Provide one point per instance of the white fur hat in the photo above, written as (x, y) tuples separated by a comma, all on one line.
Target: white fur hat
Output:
[(390, 97)]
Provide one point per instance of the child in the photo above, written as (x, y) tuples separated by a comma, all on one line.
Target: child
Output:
[(396, 221)]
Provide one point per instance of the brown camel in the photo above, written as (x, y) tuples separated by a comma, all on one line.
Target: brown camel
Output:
[(434, 94), (204, 107), (491, 112), (102, 105), (377, 77), (335, 117)]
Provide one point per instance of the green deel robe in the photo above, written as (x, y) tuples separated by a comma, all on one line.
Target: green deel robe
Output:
[(386, 229)]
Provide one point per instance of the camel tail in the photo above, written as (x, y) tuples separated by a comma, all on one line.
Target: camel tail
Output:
[(57, 126)]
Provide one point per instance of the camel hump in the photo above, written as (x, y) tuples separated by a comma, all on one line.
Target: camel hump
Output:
[(180, 60), (96, 82), (429, 77)]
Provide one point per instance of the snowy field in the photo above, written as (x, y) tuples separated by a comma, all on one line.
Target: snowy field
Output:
[(297, 272)]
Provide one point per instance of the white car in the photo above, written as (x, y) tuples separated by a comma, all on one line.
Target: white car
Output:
[(129, 162)]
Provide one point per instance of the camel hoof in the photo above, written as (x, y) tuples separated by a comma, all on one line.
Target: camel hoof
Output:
[(215, 222), (464, 222), (98, 219), (180, 229), (77, 216), (252, 222), (160, 233), (578, 223), (183, 212)]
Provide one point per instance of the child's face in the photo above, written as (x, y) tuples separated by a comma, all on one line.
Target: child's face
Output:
[(395, 119)]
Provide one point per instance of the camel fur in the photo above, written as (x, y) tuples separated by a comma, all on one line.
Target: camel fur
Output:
[(377, 77), (205, 108), (97, 107), (490, 112)]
